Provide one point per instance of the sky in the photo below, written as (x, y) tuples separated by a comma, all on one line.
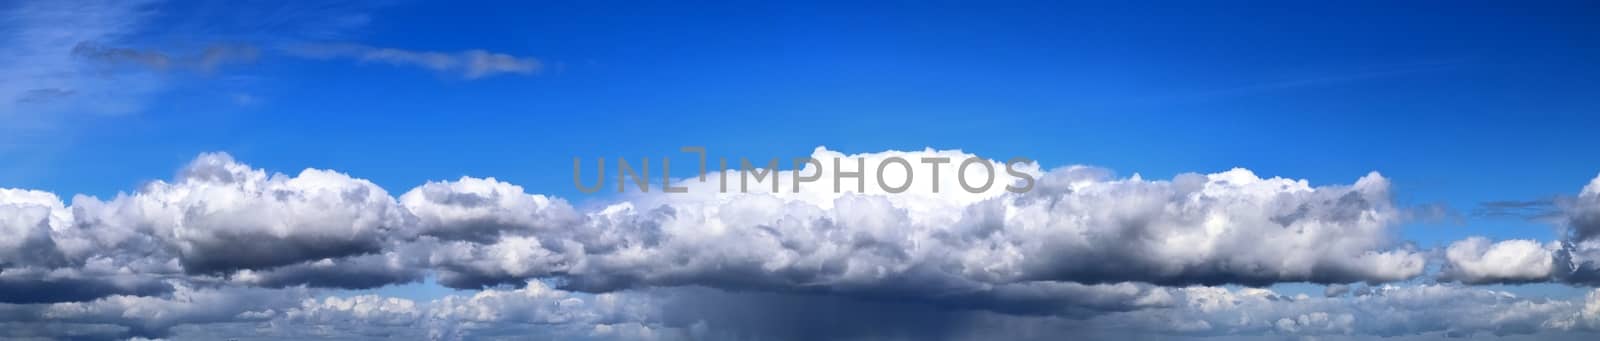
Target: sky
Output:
[(1307, 165)]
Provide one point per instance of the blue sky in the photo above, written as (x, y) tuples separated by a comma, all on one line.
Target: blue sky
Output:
[(1457, 104)]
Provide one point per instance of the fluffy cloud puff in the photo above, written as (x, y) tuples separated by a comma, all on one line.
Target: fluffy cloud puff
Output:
[(1476, 260), (45, 257), (220, 215)]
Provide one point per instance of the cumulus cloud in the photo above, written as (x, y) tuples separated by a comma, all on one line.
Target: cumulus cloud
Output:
[(45, 257), (1476, 260), (1575, 259), (223, 243), (220, 215), (1581, 221), (1080, 225), (483, 210)]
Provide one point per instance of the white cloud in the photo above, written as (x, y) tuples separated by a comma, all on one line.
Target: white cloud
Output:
[(221, 216), (1475, 260), (1575, 259), (1079, 225)]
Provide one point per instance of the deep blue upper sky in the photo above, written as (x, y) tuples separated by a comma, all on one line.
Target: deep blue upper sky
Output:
[(1457, 105)]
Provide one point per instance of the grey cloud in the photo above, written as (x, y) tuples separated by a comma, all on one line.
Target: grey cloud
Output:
[(1385, 311), (698, 313), (68, 287), (46, 258), (216, 56), (1516, 208), (1336, 290), (222, 216), (117, 55), (43, 95), (357, 272), (45, 78), (208, 60), (1579, 257), (482, 210), (1582, 213), (469, 64), (122, 317), (1202, 312)]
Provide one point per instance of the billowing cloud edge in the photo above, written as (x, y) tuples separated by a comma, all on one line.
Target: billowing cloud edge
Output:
[(1082, 245)]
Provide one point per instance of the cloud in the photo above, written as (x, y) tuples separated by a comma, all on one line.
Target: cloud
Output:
[(1575, 259), (459, 316), (46, 258), (113, 55), (355, 272), (127, 316), (469, 64), (44, 95), (42, 70), (1384, 311), (697, 313), (1583, 213), (223, 218), (209, 60), (1529, 209), (1476, 260), (1078, 226), (71, 59), (226, 245), (483, 210), (220, 215)]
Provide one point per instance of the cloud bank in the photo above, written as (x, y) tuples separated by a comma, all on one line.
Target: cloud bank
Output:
[(225, 249)]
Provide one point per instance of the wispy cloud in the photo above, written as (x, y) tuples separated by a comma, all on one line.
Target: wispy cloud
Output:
[(469, 64), (207, 61), (43, 61), (1521, 209)]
